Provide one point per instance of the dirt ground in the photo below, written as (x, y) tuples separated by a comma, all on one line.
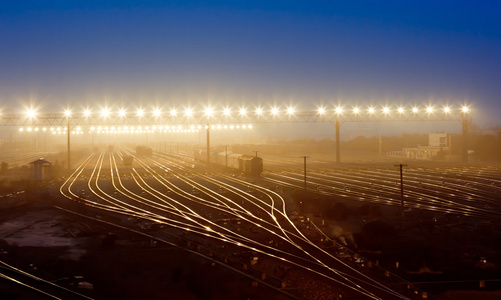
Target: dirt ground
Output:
[(68, 250)]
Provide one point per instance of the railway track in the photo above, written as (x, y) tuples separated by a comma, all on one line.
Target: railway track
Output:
[(170, 192)]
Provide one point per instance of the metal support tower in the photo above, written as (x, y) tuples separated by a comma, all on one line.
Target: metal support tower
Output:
[(464, 150), (338, 142)]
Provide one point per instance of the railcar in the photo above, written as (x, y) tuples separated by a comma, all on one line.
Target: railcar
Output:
[(247, 164)]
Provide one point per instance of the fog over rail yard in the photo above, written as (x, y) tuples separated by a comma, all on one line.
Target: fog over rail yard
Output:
[(132, 220)]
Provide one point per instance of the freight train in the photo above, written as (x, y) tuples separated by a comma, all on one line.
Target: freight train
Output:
[(247, 164)]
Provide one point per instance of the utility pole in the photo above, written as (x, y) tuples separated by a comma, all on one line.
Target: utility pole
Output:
[(305, 157), (226, 156), (379, 145), (401, 187)]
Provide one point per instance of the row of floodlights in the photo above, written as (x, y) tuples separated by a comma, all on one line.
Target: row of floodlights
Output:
[(137, 129), (274, 111)]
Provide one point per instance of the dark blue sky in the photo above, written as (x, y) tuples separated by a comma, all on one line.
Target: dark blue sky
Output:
[(242, 52)]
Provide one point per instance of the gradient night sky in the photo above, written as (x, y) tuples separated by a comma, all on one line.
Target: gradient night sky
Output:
[(244, 52)]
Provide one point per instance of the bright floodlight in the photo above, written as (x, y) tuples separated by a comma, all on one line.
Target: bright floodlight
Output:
[(105, 112), (31, 113), (447, 109), (208, 112), (121, 113), (259, 111), (87, 113), (415, 110), (157, 112), (243, 111), (356, 110), (227, 112), (386, 110), (67, 113), (400, 110), (321, 111), (429, 109), (290, 111), (339, 110), (274, 111), (139, 112), (465, 109), (371, 110), (173, 112), (188, 112)]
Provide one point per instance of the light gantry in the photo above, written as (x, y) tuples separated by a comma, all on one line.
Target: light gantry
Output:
[(238, 115)]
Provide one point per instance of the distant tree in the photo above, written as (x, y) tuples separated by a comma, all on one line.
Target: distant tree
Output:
[(486, 146), (4, 167), (56, 168)]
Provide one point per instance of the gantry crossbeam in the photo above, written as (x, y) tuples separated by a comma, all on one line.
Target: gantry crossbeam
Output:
[(300, 117)]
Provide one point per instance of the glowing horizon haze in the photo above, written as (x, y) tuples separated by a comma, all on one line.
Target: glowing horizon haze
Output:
[(79, 54)]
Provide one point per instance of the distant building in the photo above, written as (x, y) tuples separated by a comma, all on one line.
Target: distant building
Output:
[(438, 140), (439, 148), (41, 168)]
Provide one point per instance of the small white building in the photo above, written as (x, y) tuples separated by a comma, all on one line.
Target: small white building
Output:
[(439, 140), (439, 148)]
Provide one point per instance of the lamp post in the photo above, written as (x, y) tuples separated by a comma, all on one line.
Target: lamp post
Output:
[(226, 155), (339, 111), (464, 150), (208, 144), (67, 113), (338, 142), (208, 114)]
